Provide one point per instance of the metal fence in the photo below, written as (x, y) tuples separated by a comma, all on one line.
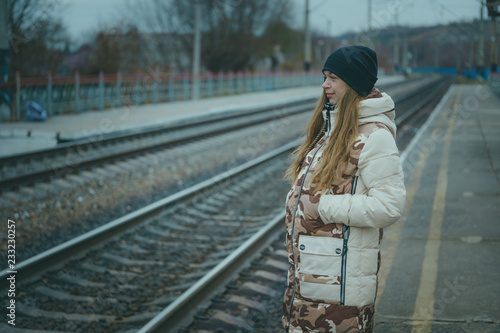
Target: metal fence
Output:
[(80, 93)]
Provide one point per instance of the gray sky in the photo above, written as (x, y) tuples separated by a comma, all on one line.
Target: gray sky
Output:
[(84, 16), (349, 15)]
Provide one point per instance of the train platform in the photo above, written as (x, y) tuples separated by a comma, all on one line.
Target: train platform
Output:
[(441, 262), (21, 137)]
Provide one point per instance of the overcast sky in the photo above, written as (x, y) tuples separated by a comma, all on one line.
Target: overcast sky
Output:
[(84, 16)]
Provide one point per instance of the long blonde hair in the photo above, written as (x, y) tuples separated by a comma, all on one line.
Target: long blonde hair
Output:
[(336, 153)]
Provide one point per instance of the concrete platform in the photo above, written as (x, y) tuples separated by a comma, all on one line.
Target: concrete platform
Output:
[(441, 262), (19, 137)]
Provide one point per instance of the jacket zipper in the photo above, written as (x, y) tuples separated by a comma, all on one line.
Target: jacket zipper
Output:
[(346, 230), (343, 273), (293, 227), (327, 127)]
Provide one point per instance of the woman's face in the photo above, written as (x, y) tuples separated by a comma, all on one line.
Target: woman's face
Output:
[(334, 87)]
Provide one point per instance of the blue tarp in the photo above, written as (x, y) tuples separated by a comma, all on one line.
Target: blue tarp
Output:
[(35, 112)]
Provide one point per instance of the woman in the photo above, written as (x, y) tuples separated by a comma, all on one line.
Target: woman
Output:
[(333, 236)]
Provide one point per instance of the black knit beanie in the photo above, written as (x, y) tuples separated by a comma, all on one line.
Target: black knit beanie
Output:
[(355, 65)]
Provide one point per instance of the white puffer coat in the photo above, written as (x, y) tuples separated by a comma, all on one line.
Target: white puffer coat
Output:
[(317, 257)]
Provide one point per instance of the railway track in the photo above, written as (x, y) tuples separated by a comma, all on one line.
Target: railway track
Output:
[(161, 250), (165, 249), (94, 151)]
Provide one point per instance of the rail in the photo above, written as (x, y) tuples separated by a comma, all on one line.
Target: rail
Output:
[(185, 306), (59, 254), (218, 123)]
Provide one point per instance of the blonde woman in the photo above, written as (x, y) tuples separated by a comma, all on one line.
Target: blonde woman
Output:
[(347, 185)]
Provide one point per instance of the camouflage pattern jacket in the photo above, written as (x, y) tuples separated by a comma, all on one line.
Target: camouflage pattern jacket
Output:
[(326, 268)]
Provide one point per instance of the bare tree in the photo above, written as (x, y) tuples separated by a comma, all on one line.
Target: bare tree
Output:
[(115, 49), (37, 37), (231, 29)]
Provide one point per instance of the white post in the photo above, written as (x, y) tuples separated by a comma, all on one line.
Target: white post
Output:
[(49, 93), (77, 91), (18, 96), (119, 89), (100, 104)]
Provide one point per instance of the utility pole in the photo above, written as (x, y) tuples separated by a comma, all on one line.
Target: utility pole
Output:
[(369, 15), (396, 43), (480, 55), (328, 37), (494, 44), (197, 51), (4, 40), (307, 50), (371, 41), (405, 54)]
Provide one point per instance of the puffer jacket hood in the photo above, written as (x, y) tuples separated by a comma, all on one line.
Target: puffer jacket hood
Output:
[(377, 107)]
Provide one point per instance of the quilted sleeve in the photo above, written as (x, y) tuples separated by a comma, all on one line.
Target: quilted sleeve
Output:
[(380, 169)]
